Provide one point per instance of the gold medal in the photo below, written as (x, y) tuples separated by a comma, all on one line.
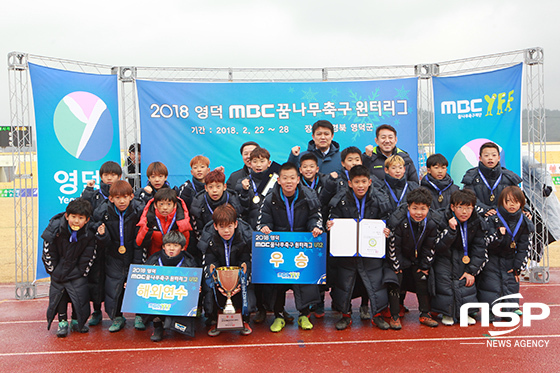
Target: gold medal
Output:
[(122, 250), (256, 199), (466, 259), (75, 228), (440, 198), (512, 245), (492, 197)]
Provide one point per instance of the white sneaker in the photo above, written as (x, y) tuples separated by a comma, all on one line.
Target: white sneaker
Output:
[(471, 320), (447, 320)]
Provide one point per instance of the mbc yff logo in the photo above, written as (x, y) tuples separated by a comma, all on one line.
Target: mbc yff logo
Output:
[(498, 310)]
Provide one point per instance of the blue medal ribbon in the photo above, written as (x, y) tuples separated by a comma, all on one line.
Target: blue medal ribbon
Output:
[(73, 235), (440, 191), (507, 226), (195, 191), (464, 236), (227, 249), (121, 225), (290, 208), (412, 230), (208, 205), (312, 186), (488, 185), (397, 200), (254, 186), (178, 265), (101, 192), (170, 225), (361, 206)]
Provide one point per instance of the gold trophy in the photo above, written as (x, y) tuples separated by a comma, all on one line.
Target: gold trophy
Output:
[(228, 280)]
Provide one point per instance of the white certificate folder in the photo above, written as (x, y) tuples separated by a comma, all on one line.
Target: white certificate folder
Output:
[(365, 238)]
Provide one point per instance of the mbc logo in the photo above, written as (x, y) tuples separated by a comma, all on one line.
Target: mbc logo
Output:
[(498, 307)]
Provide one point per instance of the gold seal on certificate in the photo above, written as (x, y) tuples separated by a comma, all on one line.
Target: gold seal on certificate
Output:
[(122, 250), (466, 259)]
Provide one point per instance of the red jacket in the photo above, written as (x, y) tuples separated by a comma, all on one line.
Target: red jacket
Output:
[(150, 236)]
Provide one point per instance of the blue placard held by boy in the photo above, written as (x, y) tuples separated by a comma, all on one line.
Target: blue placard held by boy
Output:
[(162, 290), (289, 258)]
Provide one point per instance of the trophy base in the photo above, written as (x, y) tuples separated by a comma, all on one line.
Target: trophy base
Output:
[(229, 322)]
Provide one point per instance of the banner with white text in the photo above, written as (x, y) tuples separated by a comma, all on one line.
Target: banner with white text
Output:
[(77, 126), (181, 120), (473, 109)]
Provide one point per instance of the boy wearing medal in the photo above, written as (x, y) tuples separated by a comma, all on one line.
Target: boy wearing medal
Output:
[(215, 194), (438, 181), (489, 178), (109, 173), (227, 242), (292, 208), (395, 185), (116, 238), (412, 233), (171, 254), (68, 253), (508, 249), (190, 188), (358, 202), (164, 213), (460, 257)]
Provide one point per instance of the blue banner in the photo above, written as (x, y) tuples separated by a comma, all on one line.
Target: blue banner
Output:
[(473, 109), (77, 124), (182, 120), (161, 290), (289, 258)]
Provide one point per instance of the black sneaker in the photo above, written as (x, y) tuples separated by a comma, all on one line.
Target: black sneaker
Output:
[(84, 329), (380, 322), (287, 316), (62, 330), (344, 322), (260, 316), (158, 334)]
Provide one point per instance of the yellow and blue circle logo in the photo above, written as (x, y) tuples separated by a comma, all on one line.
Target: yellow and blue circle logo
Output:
[(83, 126)]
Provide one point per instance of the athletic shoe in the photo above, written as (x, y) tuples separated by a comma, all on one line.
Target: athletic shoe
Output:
[(344, 322), (426, 319), (118, 324), (84, 329), (380, 322), (287, 316), (138, 323), (246, 329), (471, 320), (518, 312), (158, 334), (260, 316), (278, 324), (304, 323), (395, 323), (96, 318), (319, 310), (213, 331), (364, 313), (62, 330), (448, 320)]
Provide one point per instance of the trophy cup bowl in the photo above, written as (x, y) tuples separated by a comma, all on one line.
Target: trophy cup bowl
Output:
[(228, 278)]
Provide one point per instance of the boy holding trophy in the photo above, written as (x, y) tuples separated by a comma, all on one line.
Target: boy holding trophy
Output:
[(226, 249)]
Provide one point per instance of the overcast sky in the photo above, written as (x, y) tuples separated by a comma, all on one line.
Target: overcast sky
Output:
[(286, 33)]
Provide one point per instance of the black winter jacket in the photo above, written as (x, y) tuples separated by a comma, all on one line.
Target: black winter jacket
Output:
[(446, 188)]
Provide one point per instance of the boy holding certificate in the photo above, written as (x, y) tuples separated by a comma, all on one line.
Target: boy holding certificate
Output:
[(359, 203)]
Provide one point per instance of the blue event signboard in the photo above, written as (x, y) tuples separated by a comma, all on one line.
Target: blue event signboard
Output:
[(162, 290), (289, 258), (77, 128), (473, 109), (180, 120)]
